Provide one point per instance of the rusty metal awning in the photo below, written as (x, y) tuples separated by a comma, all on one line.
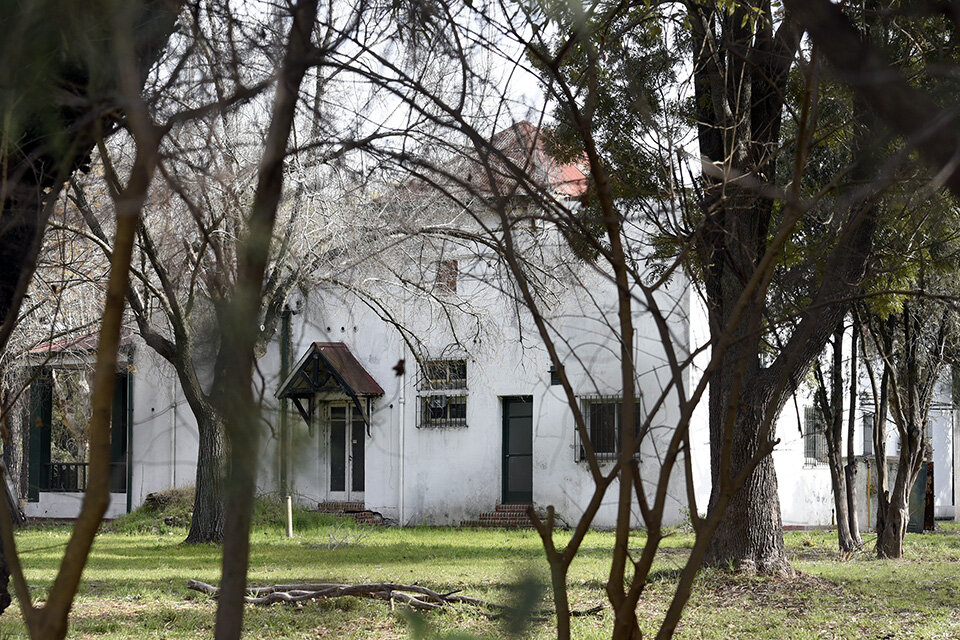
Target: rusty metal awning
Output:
[(328, 367)]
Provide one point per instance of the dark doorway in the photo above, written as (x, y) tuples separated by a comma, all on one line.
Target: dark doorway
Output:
[(518, 450), (57, 446)]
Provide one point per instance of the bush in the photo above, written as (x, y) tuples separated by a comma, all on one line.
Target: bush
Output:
[(169, 512)]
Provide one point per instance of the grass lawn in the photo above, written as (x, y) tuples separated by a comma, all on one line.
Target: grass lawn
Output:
[(135, 585)]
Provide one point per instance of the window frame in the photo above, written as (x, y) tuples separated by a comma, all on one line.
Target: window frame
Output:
[(442, 399), (814, 439), (587, 404)]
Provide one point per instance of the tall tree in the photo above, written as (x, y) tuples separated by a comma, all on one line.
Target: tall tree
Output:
[(58, 95), (742, 57)]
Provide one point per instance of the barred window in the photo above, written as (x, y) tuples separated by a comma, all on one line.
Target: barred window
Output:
[(814, 436), (442, 401), (602, 416), (868, 434)]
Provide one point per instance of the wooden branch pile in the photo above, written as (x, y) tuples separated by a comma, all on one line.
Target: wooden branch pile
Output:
[(413, 595)]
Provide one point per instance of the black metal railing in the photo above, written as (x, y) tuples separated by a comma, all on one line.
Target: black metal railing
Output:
[(71, 477), (66, 476), (441, 410), (602, 417)]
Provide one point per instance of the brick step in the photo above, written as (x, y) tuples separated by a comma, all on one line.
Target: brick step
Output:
[(355, 510), (504, 516), (340, 507), (512, 508), (367, 517)]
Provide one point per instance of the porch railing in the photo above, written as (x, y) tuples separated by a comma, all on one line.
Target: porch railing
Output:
[(71, 477), (66, 476)]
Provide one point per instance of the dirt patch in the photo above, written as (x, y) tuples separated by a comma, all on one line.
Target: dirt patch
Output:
[(791, 594)]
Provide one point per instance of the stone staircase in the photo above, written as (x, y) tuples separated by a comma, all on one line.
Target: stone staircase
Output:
[(505, 516), (355, 510)]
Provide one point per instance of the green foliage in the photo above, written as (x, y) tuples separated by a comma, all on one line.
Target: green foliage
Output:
[(617, 64), (45, 57), (167, 512)]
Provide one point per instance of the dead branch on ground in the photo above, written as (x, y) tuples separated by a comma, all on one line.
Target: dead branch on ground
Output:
[(416, 596)]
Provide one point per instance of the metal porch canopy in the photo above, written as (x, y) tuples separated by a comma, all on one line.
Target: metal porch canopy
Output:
[(328, 367)]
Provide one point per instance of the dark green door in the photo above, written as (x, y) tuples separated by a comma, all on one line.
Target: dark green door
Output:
[(41, 409), (518, 450), (118, 435)]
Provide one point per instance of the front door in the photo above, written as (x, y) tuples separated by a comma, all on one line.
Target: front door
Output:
[(347, 433), (518, 450)]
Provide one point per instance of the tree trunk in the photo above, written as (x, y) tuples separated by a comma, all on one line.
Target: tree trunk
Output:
[(890, 539), (850, 470), (838, 482), (11, 460), (832, 410), (750, 534), (558, 582), (880, 452), (206, 525), (12, 439), (850, 475)]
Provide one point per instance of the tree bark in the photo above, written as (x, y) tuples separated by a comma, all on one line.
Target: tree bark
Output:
[(832, 410), (239, 321), (891, 537), (740, 66), (880, 452), (912, 381), (750, 534), (206, 523), (850, 470)]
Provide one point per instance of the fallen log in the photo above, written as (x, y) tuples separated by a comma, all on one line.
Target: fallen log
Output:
[(414, 595)]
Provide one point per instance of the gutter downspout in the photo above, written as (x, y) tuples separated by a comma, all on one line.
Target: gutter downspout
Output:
[(403, 403), (173, 432), (284, 422)]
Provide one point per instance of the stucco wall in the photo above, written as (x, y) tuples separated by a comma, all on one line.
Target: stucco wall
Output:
[(67, 505), (164, 431)]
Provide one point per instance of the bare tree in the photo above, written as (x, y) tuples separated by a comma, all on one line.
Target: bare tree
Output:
[(915, 346), (829, 399)]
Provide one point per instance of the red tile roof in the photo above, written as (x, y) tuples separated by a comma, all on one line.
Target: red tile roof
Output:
[(525, 146)]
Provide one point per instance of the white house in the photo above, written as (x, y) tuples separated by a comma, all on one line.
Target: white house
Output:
[(430, 398)]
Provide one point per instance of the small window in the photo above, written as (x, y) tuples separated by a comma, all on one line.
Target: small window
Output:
[(444, 374), (447, 272), (443, 394), (868, 434), (603, 419), (814, 436)]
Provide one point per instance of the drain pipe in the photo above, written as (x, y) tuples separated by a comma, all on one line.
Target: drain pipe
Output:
[(403, 405), (173, 432), (284, 372), (129, 469)]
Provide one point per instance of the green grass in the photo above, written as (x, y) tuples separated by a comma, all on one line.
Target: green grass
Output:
[(135, 585)]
